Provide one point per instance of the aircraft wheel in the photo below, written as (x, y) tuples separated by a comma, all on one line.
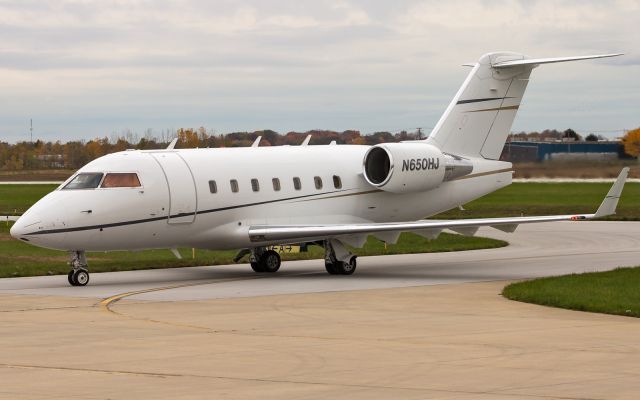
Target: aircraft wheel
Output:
[(331, 268), (80, 277), (70, 278), (257, 267), (270, 261), (347, 268)]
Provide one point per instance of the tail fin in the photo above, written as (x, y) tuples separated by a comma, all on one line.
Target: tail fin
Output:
[(479, 118)]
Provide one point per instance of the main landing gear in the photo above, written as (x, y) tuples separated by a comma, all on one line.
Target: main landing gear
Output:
[(79, 274), (337, 259), (263, 260)]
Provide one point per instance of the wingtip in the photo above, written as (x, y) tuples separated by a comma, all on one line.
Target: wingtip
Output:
[(610, 202)]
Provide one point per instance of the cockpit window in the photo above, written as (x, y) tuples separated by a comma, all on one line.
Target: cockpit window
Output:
[(85, 180), (121, 180)]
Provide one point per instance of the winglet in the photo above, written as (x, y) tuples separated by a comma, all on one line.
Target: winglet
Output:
[(537, 61), (306, 141), (610, 202), (172, 145), (256, 142)]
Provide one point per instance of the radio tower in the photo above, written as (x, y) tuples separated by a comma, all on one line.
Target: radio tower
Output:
[(31, 128)]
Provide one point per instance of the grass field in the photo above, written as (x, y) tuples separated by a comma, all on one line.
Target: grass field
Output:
[(549, 199), (21, 259), (15, 199), (611, 292)]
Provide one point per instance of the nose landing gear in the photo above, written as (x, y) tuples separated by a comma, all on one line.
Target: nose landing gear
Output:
[(79, 274)]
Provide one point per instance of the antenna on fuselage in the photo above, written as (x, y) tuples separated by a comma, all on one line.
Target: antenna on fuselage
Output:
[(306, 140), (256, 142), (172, 145)]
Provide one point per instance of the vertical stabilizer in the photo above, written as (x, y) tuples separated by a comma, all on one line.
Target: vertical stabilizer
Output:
[(479, 118)]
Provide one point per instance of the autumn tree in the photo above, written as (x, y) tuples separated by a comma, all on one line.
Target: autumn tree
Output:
[(631, 142)]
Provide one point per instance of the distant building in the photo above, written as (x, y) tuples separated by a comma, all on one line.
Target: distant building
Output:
[(51, 160), (525, 151)]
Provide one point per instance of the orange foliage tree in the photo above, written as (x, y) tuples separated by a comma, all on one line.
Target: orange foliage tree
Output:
[(631, 142)]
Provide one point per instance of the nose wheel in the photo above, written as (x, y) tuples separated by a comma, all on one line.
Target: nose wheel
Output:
[(78, 277), (79, 274)]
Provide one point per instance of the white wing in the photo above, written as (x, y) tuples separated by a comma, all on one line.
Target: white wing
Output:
[(294, 233)]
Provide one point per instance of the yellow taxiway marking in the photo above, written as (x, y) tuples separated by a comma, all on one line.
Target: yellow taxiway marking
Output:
[(110, 301), (106, 303)]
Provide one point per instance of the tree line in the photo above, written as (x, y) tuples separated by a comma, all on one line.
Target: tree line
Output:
[(74, 154)]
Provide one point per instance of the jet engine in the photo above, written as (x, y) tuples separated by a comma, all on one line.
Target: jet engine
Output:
[(411, 167)]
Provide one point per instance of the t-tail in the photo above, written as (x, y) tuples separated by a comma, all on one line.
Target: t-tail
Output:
[(479, 118)]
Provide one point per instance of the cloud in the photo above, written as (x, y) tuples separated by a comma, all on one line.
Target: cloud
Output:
[(85, 68)]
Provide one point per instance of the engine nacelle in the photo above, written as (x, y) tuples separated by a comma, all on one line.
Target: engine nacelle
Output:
[(404, 167)]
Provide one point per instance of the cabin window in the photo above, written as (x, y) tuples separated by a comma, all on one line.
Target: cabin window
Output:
[(255, 185), (234, 186), (296, 183), (121, 180), (85, 180), (213, 187), (318, 181), (276, 184), (337, 182)]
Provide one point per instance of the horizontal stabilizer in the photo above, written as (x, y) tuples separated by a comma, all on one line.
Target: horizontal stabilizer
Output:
[(538, 61)]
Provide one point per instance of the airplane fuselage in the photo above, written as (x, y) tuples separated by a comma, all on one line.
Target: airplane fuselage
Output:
[(208, 198)]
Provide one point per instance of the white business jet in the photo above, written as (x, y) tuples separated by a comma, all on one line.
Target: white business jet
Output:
[(330, 195)]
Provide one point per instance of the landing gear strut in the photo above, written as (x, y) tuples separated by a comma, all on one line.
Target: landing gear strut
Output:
[(263, 260), (79, 274), (337, 259)]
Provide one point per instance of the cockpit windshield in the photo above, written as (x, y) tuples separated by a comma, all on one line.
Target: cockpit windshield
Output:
[(85, 180), (121, 180)]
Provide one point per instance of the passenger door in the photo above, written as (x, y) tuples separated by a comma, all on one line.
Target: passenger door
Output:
[(182, 187)]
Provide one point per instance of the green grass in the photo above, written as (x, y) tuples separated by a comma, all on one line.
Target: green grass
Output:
[(16, 199), (21, 259), (549, 199), (612, 292)]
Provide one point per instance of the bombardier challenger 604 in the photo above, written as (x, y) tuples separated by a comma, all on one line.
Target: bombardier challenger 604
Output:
[(332, 195)]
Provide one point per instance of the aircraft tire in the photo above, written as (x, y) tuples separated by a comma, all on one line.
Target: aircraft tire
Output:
[(270, 261), (347, 268), (331, 268), (70, 278), (257, 267), (81, 277)]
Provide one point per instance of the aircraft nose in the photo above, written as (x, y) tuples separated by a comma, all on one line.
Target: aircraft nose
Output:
[(23, 225)]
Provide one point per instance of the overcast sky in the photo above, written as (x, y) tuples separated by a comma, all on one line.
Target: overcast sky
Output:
[(84, 69)]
